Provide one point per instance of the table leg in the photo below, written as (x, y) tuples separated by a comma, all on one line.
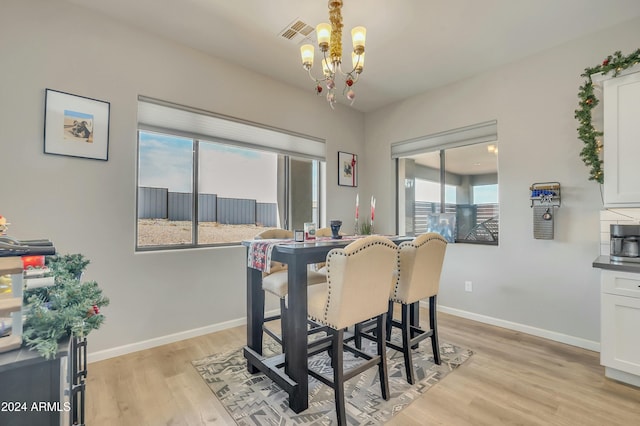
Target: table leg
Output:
[(296, 345), (255, 313)]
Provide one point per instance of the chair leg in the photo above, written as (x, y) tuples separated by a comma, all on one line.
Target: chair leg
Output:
[(406, 343), (382, 351), (338, 375), (389, 320), (357, 335), (433, 323), (415, 320)]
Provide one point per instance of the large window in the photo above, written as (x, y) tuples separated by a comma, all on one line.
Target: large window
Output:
[(451, 187), (202, 191)]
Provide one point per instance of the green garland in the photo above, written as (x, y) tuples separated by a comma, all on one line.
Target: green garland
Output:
[(70, 307), (588, 101)]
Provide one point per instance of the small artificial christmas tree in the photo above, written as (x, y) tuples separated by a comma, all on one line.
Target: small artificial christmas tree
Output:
[(68, 308)]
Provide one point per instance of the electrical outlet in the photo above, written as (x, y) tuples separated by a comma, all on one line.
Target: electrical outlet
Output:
[(468, 286)]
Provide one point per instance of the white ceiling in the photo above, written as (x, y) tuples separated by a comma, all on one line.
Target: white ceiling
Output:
[(412, 45), (474, 159)]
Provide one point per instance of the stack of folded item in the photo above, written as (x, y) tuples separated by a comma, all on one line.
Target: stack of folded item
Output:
[(39, 276), (11, 247)]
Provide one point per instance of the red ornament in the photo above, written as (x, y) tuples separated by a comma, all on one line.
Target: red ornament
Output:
[(605, 62), (318, 89), (349, 82), (90, 312), (32, 261), (96, 309)]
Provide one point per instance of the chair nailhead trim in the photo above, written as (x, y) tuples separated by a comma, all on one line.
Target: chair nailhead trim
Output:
[(438, 238), (342, 253)]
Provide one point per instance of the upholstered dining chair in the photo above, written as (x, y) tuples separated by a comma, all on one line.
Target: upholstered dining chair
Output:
[(359, 280), (322, 266), (323, 232), (276, 282), (419, 272)]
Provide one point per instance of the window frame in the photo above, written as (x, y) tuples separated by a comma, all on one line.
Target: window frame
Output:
[(458, 138), (196, 166), (168, 118)]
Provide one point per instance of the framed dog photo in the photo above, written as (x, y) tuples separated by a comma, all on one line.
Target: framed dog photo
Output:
[(76, 126), (347, 169)]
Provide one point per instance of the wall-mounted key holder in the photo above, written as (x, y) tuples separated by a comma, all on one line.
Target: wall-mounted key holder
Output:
[(545, 193), (545, 197)]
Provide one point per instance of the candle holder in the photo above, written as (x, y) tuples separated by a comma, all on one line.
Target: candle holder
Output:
[(335, 228)]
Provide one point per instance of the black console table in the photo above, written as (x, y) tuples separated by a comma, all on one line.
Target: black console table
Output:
[(37, 391)]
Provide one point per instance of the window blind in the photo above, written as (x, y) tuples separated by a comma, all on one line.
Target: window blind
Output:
[(165, 117), (468, 135)]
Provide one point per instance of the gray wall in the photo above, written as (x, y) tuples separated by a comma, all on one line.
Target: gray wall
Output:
[(267, 214), (207, 207), (544, 287), (153, 203), (159, 203), (87, 206), (179, 206)]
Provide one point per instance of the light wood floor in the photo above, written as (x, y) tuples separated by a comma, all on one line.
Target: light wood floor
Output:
[(512, 379)]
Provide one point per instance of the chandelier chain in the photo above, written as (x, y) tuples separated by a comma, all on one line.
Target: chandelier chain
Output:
[(335, 42)]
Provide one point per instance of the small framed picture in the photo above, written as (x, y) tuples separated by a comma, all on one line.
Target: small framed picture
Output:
[(347, 169), (298, 235), (309, 231), (76, 126)]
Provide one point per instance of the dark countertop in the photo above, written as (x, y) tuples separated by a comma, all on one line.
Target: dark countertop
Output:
[(25, 356), (605, 262)]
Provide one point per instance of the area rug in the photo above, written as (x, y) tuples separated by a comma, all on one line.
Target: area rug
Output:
[(254, 399)]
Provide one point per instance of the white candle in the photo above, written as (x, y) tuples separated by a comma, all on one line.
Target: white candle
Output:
[(373, 207)]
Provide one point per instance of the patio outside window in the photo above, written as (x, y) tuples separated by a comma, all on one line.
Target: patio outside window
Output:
[(196, 186), (450, 187)]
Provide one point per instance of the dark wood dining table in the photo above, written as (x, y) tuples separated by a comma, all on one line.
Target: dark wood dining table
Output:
[(291, 376)]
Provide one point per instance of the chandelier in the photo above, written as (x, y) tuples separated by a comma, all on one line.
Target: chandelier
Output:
[(330, 44)]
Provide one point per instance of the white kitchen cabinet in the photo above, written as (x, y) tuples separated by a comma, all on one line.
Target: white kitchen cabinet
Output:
[(620, 316), (621, 99)]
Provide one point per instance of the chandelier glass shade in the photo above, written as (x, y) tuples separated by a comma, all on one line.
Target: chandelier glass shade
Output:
[(330, 45)]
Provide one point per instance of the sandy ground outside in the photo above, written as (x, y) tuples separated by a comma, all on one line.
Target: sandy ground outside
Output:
[(154, 232)]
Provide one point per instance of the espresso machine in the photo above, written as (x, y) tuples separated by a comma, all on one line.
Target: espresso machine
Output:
[(625, 241)]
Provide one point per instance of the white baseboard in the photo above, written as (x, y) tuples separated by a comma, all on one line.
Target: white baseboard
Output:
[(170, 338), (188, 334), (622, 376), (163, 340), (539, 332)]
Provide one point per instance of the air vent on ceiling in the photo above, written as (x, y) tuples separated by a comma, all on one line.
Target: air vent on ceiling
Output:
[(297, 29)]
